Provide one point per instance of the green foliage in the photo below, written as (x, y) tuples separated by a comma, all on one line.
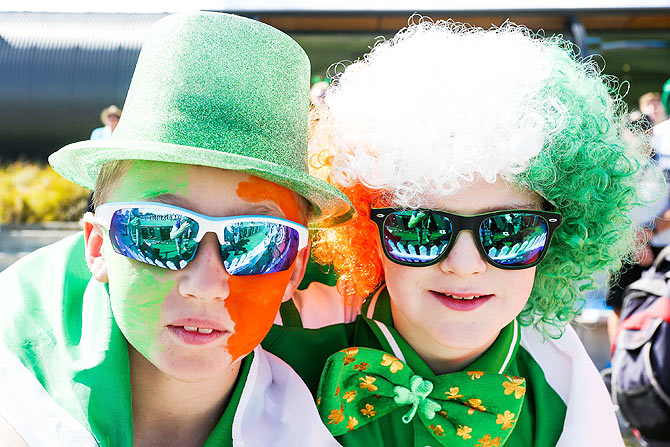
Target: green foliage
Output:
[(32, 193)]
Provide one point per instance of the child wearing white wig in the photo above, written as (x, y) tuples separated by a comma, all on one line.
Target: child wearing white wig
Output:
[(491, 182)]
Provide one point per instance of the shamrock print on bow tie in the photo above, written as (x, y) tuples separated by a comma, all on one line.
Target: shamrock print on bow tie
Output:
[(468, 408)]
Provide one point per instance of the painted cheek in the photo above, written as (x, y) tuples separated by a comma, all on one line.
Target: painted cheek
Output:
[(258, 190), (253, 301), (137, 294), (252, 304)]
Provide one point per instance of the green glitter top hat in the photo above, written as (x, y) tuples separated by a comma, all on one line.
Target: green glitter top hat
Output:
[(215, 90)]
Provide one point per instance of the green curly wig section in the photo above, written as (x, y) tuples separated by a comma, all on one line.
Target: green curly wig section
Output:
[(590, 175)]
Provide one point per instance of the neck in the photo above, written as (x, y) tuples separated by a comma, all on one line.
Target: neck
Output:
[(440, 358), (169, 412), (443, 360)]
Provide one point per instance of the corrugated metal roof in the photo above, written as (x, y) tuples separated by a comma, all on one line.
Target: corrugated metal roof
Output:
[(58, 71), (71, 30)]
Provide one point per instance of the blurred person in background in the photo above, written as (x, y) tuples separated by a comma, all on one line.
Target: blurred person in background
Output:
[(318, 92), (110, 118), (650, 105), (639, 378), (651, 120), (646, 217), (660, 138)]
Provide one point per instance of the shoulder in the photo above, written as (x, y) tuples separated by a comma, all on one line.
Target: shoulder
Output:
[(296, 421), (559, 358), (562, 366), (98, 133), (552, 356), (41, 301), (25, 404), (306, 350)]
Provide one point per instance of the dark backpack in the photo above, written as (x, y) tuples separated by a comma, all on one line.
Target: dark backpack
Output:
[(641, 355)]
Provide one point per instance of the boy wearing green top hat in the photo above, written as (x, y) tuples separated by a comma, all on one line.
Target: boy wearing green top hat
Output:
[(145, 329)]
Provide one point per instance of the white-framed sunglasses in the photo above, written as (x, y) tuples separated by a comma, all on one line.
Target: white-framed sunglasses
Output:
[(168, 236)]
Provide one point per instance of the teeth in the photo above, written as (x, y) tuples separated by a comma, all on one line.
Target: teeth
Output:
[(197, 329), (463, 297)]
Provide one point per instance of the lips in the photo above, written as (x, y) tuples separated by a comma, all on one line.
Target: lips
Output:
[(461, 301), (196, 331)]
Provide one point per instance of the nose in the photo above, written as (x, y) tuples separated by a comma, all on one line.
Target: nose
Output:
[(464, 258), (205, 278)]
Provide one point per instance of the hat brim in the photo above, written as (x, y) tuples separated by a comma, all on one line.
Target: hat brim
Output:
[(81, 163)]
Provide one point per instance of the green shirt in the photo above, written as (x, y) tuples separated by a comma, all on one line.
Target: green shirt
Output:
[(539, 424)]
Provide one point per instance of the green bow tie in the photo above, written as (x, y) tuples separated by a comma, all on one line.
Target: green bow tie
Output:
[(360, 385)]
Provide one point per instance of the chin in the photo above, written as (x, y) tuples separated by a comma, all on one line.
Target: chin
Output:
[(464, 337), (196, 367)]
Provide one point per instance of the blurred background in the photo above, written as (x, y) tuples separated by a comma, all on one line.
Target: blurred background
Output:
[(58, 70), (63, 64)]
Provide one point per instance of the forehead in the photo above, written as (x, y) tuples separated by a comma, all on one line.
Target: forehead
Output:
[(207, 190), (481, 196)]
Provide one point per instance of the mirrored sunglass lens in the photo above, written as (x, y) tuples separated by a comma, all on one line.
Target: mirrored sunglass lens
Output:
[(164, 239), (254, 248), (514, 239), (416, 236)]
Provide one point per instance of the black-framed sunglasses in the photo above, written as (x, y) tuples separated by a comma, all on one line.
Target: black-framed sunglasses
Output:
[(507, 239)]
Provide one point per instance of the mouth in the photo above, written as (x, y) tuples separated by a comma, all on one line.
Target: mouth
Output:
[(461, 301), (202, 334)]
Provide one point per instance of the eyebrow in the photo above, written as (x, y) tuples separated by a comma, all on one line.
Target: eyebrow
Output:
[(261, 209), (171, 199), (243, 210)]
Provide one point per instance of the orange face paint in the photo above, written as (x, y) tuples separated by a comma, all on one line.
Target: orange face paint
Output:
[(253, 301), (258, 190)]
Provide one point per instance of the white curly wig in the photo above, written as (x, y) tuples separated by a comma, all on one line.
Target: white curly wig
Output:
[(424, 113)]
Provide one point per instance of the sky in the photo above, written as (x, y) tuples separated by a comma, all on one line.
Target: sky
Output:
[(318, 5)]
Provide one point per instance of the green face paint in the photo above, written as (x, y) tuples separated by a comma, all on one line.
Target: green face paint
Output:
[(137, 294), (138, 291), (148, 179)]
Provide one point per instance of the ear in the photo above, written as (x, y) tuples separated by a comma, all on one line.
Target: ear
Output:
[(95, 255), (298, 273)]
